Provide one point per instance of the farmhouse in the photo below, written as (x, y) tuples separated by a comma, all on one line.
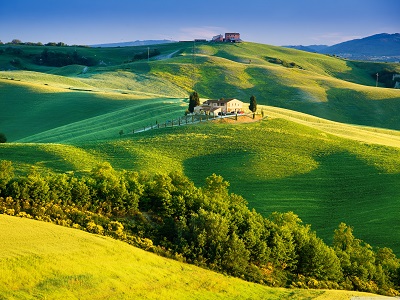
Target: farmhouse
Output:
[(221, 106), (230, 37)]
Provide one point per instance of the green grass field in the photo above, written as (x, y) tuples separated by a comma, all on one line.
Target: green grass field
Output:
[(326, 87), (329, 149), (325, 172), (44, 261)]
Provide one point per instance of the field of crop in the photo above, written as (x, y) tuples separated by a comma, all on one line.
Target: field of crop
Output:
[(42, 260)]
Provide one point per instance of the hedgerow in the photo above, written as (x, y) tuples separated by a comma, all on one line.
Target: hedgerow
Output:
[(206, 226)]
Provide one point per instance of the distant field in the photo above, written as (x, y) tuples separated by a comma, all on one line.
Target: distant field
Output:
[(42, 260), (325, 86)]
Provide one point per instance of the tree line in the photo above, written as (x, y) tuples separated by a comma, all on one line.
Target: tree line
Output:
[(207, 226), (49, 57), (54, 44), (61, 59)]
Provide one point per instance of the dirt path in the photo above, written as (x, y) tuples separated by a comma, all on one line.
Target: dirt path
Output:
[(166, 56)]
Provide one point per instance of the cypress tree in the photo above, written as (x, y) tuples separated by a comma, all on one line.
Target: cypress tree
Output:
[(194, 101), (253, 104)]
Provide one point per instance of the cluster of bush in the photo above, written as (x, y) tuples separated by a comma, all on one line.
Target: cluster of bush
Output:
[(144, 55), (61, 59), (283, 63), (49, 57), (53, 44), (206, 226)]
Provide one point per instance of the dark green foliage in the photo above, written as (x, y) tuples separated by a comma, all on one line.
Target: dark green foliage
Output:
[(194, 100), (60, 59), (146, 54), (6, 174), (253, 104), (14, 51), (206, 226), (59, 44), (3, 138), (283, 62), (363, 268)]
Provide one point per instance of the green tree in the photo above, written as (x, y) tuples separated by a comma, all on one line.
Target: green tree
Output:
[(357, 259), (6, 174), (194, 101), (3, 138), (253, 104)]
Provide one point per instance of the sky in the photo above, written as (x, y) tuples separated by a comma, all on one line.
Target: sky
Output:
[(282, 22)]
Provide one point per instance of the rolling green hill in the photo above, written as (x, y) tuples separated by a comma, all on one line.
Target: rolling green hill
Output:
[(42, 260), (325, 172), (320, 85), (68, 118)]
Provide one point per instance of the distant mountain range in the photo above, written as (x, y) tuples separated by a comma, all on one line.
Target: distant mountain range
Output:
[(378, 47), (135, 43)]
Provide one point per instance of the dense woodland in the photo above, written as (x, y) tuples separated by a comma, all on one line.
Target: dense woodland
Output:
[(206, 226)]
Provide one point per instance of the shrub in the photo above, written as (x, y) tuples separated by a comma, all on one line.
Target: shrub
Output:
[(3, 138)]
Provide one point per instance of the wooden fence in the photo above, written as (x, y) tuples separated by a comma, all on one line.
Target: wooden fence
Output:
[(192, 119)]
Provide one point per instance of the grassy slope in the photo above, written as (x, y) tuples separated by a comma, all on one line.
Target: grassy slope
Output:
[(34, 112), (221, 70), (325, 172), (42, 260), (279, 158)]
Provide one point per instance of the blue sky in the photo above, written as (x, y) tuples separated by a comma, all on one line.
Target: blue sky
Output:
[(280, 22)]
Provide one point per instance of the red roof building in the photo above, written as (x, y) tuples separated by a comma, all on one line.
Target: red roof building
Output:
[(232, 37)]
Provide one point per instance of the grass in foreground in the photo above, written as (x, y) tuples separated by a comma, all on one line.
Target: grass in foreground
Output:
[(42, 260)]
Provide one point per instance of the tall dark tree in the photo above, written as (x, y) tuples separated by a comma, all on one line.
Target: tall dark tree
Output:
[(253, 104), (194, 101), (3, 138)]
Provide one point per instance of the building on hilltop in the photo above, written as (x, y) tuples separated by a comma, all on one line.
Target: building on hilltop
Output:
[(230, 37), (219, 107), (233, 37), (218, 38)]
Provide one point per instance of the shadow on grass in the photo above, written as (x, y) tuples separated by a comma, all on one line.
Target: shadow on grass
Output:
[(342, 189)]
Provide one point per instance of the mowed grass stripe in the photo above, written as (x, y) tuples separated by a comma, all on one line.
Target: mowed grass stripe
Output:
[(135, 117)]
